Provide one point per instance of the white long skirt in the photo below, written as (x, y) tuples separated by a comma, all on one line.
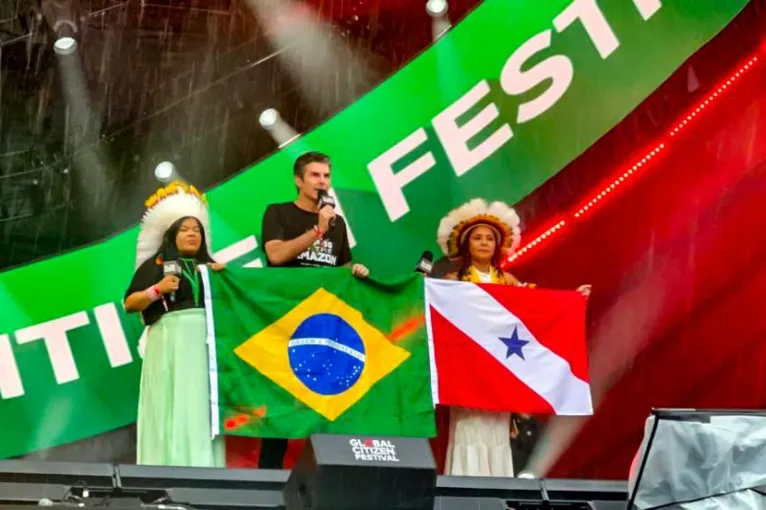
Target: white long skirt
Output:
[(174, 400), (479, 443)]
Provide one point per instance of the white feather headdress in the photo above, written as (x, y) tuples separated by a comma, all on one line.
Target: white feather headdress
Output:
[(500, 217), (168, 204)]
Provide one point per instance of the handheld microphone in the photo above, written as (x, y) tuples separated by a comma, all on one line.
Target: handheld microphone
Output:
[(326, 199), (426, 263), (172, 267)]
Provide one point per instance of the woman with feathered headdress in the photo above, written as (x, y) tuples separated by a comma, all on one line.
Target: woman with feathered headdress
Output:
[(478, 236), (174, 397)]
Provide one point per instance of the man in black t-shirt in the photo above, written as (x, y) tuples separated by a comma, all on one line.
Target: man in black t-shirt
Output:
[(297, 234)]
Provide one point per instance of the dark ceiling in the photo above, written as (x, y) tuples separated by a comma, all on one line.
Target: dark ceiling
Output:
[(183, 80)]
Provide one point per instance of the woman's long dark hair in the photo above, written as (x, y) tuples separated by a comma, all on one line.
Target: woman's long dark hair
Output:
[(465, 255), (169, 250)]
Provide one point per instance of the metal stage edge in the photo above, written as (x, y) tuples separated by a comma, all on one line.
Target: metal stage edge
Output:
[(124, 486)]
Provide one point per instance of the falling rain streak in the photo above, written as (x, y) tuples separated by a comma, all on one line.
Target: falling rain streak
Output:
[(96, 94)]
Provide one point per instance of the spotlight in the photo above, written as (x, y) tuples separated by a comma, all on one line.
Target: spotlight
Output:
[(436, 8), (66, 31), (279, 130), (65, 45), (526, 474), (164, 171), (269, 118)]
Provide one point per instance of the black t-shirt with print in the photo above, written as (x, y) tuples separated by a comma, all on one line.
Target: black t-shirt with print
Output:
[(287, 221)]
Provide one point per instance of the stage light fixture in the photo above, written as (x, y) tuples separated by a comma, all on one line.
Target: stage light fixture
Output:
[(164, 171), (641, 164), (436, 8), (61, 16), (269, 118), (65, 45)]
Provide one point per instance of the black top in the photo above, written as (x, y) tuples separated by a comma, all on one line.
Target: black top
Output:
[(150, 273), (287, 221), (524, 444)]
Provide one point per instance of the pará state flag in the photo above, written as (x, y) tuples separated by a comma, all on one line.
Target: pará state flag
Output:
[(300, 351), (505, 348)]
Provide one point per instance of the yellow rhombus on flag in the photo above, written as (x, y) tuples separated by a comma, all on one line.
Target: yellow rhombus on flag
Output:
[(319, 325)]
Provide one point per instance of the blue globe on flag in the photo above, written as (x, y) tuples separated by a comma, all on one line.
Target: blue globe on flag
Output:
[(326, 354)]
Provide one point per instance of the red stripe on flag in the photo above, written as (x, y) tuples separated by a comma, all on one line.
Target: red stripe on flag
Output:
[(555, 317), (407, 328), (469, 376)]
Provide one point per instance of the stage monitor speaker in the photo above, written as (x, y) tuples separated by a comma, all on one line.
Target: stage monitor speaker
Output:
[(340, 472), (69, 473), (607, 505), (515, 489), (142, 478), (586, 490), (31, 481), (209, 488)]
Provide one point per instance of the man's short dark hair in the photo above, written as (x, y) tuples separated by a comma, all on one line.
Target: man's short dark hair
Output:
[(299, 168)]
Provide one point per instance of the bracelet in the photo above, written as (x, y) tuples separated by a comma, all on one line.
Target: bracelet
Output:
[(153, 293), (318, 232)]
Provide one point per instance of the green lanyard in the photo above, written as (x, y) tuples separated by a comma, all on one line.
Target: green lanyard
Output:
[(191, 274)]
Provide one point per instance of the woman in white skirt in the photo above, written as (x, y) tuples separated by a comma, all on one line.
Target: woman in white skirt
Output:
[(174, 400), (479, 235)]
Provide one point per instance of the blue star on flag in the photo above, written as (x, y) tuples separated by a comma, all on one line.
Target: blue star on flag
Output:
[(514, 344)]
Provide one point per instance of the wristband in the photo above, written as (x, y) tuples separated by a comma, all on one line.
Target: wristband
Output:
[(153, 293), (318, 232)]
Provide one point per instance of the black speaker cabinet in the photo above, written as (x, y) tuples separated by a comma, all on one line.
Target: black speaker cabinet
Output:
[(337, 472)]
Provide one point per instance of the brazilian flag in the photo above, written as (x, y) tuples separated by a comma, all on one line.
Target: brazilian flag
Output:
[(300, 351)]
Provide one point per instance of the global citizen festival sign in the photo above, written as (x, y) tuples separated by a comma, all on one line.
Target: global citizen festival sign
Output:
[(373, 450)]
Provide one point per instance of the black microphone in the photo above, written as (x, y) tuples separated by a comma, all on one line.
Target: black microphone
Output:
[(426, 263), (172, 267), (326, 199)]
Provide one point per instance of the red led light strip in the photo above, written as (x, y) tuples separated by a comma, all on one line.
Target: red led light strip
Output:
[(619, 181), (641, 164)]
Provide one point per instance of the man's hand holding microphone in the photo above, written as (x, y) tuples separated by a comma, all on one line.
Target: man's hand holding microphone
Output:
[(326, 222), (326, 219), (326, 206)]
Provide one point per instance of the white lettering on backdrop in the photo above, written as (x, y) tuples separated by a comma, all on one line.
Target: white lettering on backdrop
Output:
[(557, 70)]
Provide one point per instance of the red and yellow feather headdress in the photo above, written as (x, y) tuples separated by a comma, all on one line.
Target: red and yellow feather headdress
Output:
[(163, 208)]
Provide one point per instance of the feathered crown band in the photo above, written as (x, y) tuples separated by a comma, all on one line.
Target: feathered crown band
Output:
[(171, 189)]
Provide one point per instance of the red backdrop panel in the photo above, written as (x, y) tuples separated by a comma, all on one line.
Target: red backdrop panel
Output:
[(678, 265)]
